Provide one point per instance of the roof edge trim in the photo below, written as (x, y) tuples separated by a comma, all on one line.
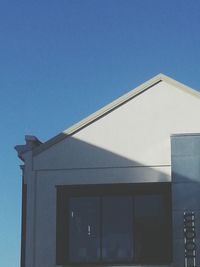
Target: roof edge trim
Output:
[(111, 106)]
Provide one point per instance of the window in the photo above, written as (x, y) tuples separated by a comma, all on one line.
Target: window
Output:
[(114, 224), (117, 229), (84, 229)]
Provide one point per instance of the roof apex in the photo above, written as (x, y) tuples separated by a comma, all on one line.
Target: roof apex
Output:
[(113, 105)]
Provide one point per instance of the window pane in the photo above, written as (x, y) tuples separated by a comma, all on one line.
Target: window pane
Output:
[(150, 228), (117, 229), (84, 241)]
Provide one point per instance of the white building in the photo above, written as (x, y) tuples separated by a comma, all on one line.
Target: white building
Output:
[(113, 188)]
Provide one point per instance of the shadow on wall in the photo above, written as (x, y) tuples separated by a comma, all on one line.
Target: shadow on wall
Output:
[(100, 165), (185, 190), (186, 171), (74, 154), (87, 164)]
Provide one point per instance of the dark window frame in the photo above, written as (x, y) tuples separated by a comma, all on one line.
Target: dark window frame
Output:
[(100, 190)]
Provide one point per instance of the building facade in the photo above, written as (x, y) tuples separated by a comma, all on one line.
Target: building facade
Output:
[(121, 187)]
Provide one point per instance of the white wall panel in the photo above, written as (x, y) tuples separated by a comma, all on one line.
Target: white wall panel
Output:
[(135, 134)]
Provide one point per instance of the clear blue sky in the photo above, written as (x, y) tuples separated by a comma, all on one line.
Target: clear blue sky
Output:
[(60, 60)]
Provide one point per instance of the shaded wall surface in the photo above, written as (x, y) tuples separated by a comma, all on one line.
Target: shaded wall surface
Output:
[(185, 191), (41, 229)]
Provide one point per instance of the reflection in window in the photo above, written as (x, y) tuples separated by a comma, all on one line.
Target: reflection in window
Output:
[(117, 229), (114, 224), (150, 228), (84, 229)]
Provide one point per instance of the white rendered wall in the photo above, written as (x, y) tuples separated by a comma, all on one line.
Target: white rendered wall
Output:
[(129, 145), (135, 134)]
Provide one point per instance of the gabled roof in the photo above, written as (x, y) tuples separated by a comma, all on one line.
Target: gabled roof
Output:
[(113, 105)]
